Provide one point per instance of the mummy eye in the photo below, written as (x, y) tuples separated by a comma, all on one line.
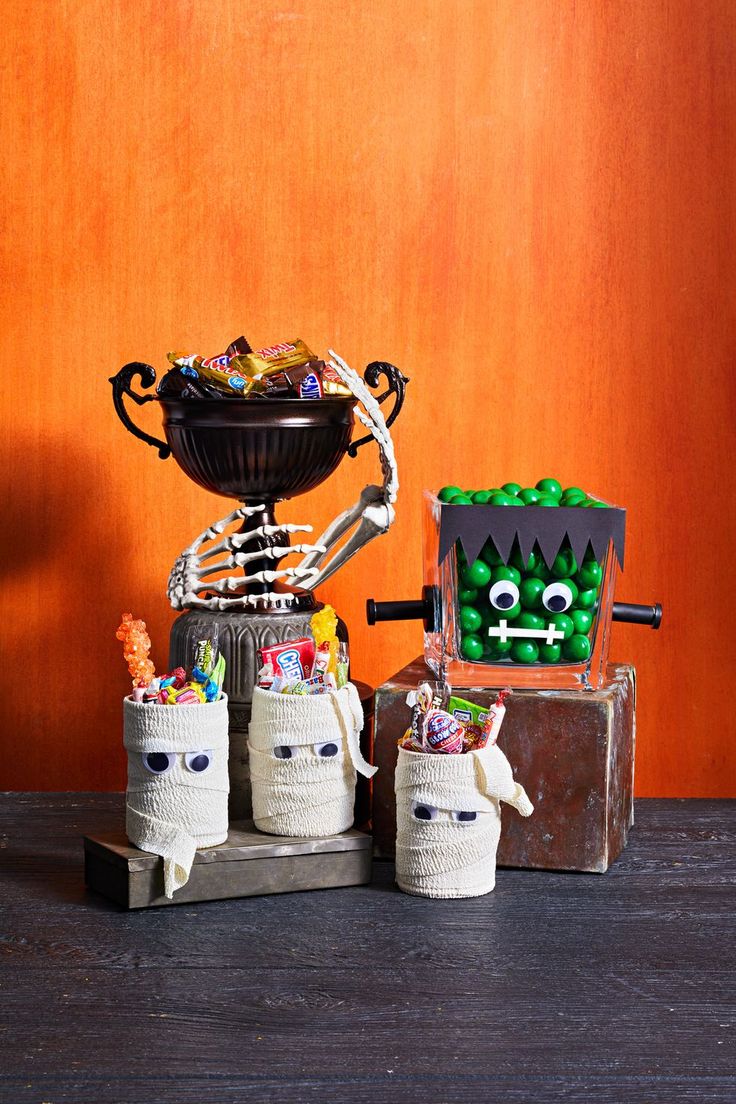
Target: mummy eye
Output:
[(198, 761), (423, 812), (158, 762), (326, 751), (557, 597), (283, 751), (463, 816), (504, 594)]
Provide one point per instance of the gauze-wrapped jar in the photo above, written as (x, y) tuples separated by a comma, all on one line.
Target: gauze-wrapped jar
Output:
[(448, 820), (176, 799), (304, 753)]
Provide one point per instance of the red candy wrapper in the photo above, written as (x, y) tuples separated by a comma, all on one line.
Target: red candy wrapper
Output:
[(292, 659)]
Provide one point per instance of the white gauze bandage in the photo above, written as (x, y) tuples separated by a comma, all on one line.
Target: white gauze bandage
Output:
[(448, 820), (178, 784), (304, 753)]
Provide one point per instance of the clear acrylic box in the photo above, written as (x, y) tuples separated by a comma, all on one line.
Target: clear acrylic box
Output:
[(493, 624)]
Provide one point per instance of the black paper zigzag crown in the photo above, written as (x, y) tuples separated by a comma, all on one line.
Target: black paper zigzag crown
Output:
[(546, 526)]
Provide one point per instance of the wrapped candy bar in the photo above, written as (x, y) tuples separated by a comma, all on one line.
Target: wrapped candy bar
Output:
[(293, 659)]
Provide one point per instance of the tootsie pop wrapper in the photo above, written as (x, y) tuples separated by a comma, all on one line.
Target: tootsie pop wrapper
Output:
[(443, 733)]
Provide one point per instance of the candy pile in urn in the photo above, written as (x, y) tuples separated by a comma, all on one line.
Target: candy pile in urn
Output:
[(287, 370), (554, 604)]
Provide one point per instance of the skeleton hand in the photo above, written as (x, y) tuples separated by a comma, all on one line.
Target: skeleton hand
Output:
[(190, 575)]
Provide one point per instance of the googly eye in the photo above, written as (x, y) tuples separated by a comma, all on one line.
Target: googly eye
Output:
[(198, 761), (464, 816), (557, 597), (283, 751), (326, 751), (423, 812), (504, 594), (158, 762)]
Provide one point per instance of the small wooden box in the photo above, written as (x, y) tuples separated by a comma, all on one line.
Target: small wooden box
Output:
[(247, 864), (572, 750)]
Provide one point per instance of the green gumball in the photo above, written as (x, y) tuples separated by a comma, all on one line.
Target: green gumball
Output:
[(518, 562), (550, 487), (503, 499), (577, 648), (460, 500), (586, 599), (550, 653), (590, 575), (498, 650), (477, 574), (471, 646), (547, 500), (574, 492), (511, 488), (529, 620), (524, 651), (480, 498), (529, 496), (582, 620), (506, 572), (470, 619), (447, 493), (540, 571), (510, 614), (564, 564), (489, 554), (530, 593), (564, 623), (467, 596)]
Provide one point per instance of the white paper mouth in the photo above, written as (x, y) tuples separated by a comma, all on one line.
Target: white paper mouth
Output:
[(503, 632)]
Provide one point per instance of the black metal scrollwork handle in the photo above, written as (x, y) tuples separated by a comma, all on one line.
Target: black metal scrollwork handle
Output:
[(396, 386), (121, 386)]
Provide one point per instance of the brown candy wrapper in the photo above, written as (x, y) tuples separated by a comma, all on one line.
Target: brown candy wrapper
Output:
[(238, 347)]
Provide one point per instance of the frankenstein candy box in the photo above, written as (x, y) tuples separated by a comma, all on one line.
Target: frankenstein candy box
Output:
[(524, 580)]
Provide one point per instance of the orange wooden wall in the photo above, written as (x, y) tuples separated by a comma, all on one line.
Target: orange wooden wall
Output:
[(528, 205)]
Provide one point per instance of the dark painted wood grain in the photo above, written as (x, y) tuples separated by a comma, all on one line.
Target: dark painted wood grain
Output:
[(554, 987)]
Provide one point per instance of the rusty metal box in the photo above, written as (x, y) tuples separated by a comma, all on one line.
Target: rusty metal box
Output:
[(249, 863), (573, 751)]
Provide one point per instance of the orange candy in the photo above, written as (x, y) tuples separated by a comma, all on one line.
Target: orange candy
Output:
[(136, 646)]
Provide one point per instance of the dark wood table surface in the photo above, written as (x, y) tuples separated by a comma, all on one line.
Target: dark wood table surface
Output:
[(613, 988)]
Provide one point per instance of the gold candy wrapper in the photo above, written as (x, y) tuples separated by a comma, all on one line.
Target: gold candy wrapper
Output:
[(332, 384), (276, 358), (218, 371)]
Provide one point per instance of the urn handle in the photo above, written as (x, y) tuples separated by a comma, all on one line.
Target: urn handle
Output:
[(121, 386), (396, 386)]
